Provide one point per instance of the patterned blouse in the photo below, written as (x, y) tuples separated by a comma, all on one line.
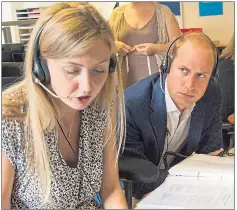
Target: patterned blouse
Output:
[(71, 188)]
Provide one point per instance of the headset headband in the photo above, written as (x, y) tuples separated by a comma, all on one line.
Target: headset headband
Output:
[(40, 67), (166, 63)]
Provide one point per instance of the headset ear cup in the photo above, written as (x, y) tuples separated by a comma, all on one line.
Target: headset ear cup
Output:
[(168, 64), (45, 69), (215, 73), (38, 71), (163, 67), (112, 64)]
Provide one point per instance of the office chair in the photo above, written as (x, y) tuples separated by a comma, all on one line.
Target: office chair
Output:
[(12, 64), (228, 135), (12, 69), (13, 52), (9, 81), (135, 172), (11, 73)]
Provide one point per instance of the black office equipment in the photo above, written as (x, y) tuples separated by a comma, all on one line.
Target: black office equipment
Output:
[(13, 52)]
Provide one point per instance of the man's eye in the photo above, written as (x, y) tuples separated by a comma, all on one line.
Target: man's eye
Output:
[(183, 70), (201, 75)]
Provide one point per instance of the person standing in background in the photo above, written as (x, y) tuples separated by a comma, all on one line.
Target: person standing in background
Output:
[(226, 70), (143, 31), (226, 79)]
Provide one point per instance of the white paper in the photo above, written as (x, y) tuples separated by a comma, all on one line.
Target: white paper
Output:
[(205, 166), (190, 194), (198, 182)]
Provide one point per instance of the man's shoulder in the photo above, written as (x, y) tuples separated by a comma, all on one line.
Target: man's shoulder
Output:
[(225, 63), (141, 90), (226, 69)]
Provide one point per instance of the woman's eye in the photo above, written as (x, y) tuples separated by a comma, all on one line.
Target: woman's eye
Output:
[(98, 71), (72, 72)]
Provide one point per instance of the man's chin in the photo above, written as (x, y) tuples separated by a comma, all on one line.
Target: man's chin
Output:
[(182, 106)]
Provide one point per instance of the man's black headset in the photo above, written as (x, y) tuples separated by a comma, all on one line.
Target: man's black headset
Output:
[(40, 67), (166, 63)]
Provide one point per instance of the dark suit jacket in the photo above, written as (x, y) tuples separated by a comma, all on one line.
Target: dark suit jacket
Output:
[(147, 119), (226, 80)]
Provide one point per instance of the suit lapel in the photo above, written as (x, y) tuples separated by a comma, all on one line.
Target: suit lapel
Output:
[(158, 115)]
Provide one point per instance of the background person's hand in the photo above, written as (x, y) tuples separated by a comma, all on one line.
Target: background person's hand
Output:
[(145, 49), (217, 152), (123, 49), (146, 195)]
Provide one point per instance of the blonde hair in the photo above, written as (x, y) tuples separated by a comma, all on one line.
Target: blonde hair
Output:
[(229, 51), (70, 30)]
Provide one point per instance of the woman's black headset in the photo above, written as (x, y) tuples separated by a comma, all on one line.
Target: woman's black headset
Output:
[(166, 63), (40, 67)]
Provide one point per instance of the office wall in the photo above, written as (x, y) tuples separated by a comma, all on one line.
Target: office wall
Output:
[(9, 14), (105, 8), (219, 27)]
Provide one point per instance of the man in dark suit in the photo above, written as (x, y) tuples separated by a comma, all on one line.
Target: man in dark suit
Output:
[(178, 110)]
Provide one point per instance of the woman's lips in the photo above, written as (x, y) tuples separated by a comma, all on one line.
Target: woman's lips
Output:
[(83, 99)]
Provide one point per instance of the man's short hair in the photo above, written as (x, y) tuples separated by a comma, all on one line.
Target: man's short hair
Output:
[(195, 37)]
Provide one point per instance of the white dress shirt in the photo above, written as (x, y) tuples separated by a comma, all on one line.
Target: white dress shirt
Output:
[(178, 124)]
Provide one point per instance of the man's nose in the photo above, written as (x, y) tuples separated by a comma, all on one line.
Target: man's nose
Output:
[(190, 82)]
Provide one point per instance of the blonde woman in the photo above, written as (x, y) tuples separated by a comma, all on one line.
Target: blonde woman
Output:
[(58, 127), (226, 71)]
